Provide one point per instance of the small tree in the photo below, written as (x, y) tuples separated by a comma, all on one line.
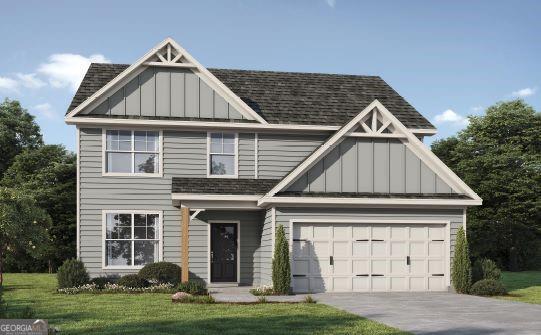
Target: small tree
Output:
[(461, 269), (281, 268), (22, 224)]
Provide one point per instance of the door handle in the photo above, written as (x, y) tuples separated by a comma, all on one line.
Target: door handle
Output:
[(212, 256), (408, 261), (331, 261)]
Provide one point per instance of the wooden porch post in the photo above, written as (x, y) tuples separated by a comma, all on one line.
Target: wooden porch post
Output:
[(185, 221)]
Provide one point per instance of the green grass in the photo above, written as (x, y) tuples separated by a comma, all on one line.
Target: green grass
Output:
[(523, 286), (155, 314)]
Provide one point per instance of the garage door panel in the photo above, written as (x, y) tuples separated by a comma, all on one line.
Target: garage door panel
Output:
[(369, 257), (360, 232), (342, 232), (361, 284), (361, 249), (360, 267), (342, 267), (417, 249), (379, 248), (436, 248), (301, 249), (398, 249)]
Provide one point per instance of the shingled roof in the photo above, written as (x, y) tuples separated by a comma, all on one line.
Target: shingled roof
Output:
[(241, 186), (289, 97)]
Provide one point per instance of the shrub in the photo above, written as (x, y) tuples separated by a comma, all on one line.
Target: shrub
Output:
[(262, 299), (262, 290), (161, 273), (196, 299), (72, 274), (281, 270), (115, 288), (309, 300), (461, 269), (133, 281), (485, 269), (488, 287), (100, 282), (193, 287)]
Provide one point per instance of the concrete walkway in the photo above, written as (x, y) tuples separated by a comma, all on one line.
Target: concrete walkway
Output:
[(241, 294), (440, 313)]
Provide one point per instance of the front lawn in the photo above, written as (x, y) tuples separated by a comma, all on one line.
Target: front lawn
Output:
[(155, 314), (523, 286)]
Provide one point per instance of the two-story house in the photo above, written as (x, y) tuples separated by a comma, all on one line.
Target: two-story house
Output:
[(197, 166)]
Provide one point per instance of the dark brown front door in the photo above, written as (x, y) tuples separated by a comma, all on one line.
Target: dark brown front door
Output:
[(223, 252)]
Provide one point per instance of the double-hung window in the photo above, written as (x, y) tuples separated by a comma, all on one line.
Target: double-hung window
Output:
[(131, 238), (132, 152), (222, 155)]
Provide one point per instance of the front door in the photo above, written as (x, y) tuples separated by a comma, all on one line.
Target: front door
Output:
[(223, 252)]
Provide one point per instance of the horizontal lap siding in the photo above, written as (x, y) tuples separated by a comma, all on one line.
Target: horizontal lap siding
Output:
[(265, 254), (279, 154), (284, 215), (124, 193)]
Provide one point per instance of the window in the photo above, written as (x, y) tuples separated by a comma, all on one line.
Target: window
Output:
[(131, 239), (222, 158), (132, 152)]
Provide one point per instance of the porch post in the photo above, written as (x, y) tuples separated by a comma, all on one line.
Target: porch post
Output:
[(185, 221)]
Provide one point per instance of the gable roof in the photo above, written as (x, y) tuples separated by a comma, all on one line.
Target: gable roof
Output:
[(289, 97), (399, 130)]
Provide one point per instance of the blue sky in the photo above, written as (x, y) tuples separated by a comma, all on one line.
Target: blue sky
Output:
[(448, 59)]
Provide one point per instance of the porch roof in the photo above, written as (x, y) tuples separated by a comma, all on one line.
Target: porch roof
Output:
[(223, 186)]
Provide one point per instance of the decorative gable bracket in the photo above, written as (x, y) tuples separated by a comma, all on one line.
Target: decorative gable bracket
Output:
[(169, 56)]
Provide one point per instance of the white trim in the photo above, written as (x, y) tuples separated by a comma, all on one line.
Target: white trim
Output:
[(256, 155), (177, 65), (389, 222), (376, 135), (368, 201), (195, 213), (411, 141), (214, 197), (78, 221), (132, 212), (196, 125), (423, 131), (273, 227), (104, 173), (236, 160), (210, 222), (464, 216), (206, 76), (218, 204)]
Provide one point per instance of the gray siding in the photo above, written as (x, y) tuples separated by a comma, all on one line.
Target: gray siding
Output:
[(279, 154), (265, 254), (160, 92), (370, 165)]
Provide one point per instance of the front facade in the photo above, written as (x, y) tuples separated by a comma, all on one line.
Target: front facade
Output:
[(197, 166)]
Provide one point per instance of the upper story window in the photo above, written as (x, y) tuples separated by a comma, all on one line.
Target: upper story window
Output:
[(222, 155), (132, 152)]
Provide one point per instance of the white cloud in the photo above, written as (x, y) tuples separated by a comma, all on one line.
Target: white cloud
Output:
[(449, 116), (331, 3), (45, 109), (525, 92), (30, 80), (8, 84), (67, 70)]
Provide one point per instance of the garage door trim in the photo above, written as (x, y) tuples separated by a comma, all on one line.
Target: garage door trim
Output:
[(389, 222)]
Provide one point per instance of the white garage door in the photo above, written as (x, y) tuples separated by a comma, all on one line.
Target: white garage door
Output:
[(368, 257)]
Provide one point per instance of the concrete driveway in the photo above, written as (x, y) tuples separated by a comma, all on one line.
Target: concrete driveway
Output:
[(440, 313)]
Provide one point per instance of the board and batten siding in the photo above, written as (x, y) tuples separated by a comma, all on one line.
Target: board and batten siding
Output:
[(370, 166), (162, 92), (265, 253)]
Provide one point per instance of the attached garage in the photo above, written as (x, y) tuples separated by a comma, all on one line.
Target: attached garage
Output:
[(370, 255)]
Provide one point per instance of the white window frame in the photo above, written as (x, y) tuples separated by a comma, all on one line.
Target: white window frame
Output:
[(104, 237), (104, 172), (236, 160)]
